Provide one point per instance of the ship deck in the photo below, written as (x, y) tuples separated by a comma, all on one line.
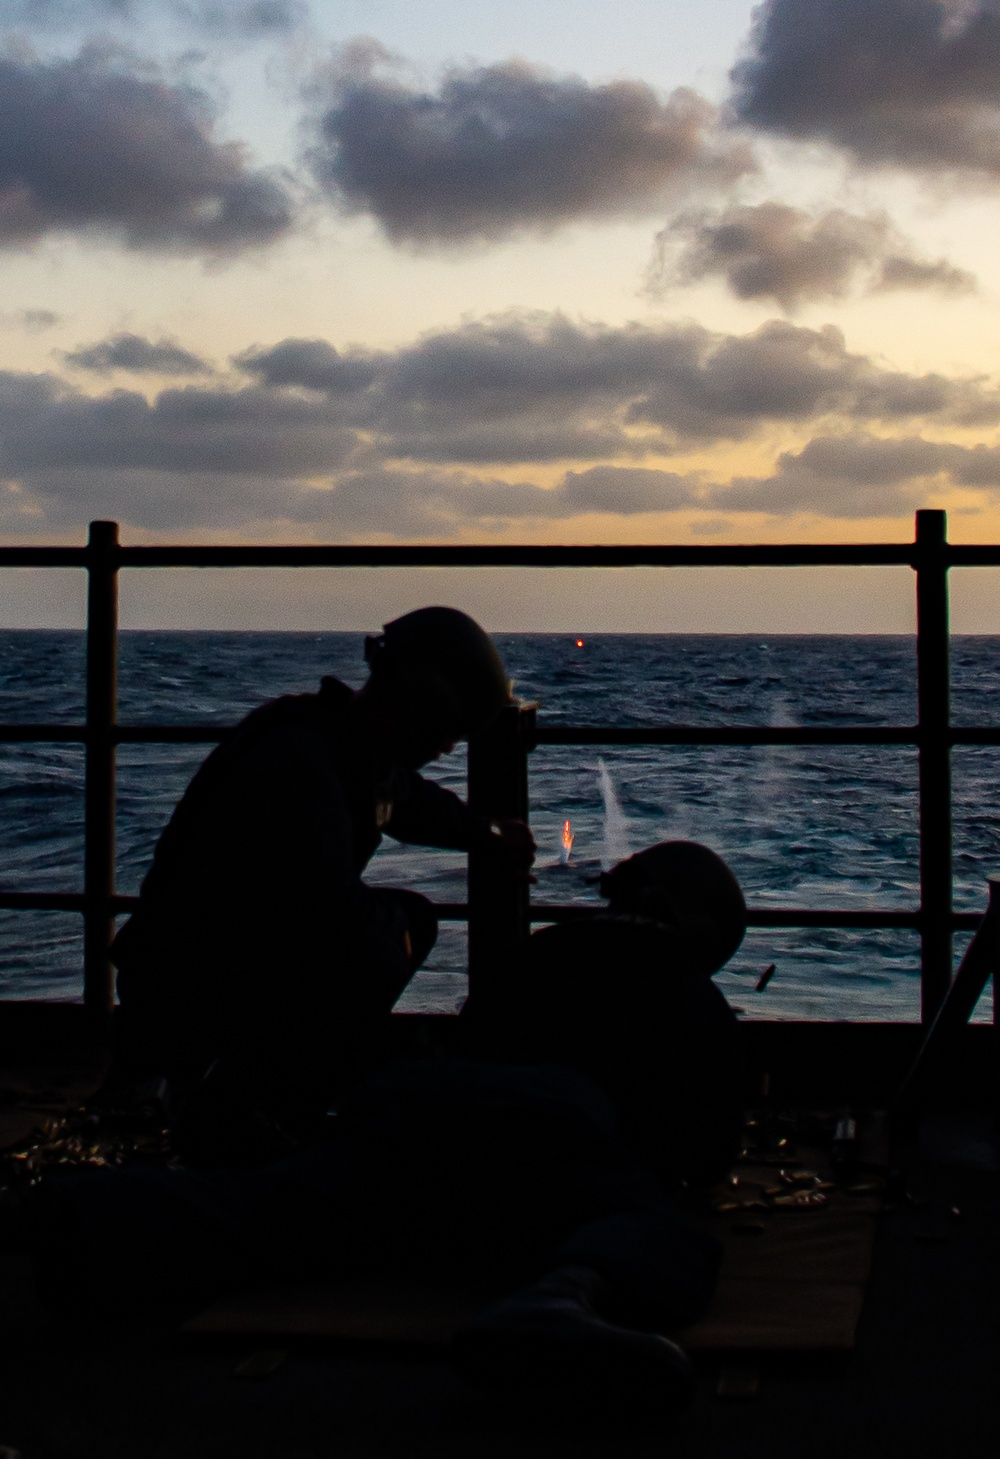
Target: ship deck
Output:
[(919, 1381)]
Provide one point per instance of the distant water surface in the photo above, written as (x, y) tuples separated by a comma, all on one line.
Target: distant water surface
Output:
[(801, 826)]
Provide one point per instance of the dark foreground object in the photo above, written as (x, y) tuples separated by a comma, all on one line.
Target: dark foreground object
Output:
[(920, 1382), (551, 1340)]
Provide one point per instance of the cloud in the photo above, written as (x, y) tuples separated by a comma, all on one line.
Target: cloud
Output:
[(369, 499), (774, 251), (150, 500), (441, 503), (311, 363), (137, 355), (506, 149), (902, 271), (248, 18), (910, 83), (92, 145), (140, 356), (861, 476), (538, 386), (60, 14), (627, 491), (45, 426), (224, 18), (409, 443), (32, 321)]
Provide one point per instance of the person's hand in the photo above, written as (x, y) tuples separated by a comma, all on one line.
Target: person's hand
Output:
[(513, 845)]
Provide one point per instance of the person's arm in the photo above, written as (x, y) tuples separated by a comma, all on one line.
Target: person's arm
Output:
[(428, 814)]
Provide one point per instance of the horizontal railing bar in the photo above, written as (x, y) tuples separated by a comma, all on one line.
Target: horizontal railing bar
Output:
[(625, 555), (548, 912), (43, 733), (74, 902), (42, 901), (802, 554), (973, 735), (590, 734), (779, 916), (972, 555), (806, 554), (831, 917), (43, 557), (139, 734), (684, 734), (581, 734)]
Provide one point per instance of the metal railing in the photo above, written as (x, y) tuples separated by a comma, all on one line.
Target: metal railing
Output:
[(498, 761)]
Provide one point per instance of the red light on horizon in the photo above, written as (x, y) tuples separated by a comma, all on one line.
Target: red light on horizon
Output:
[(579, 643)]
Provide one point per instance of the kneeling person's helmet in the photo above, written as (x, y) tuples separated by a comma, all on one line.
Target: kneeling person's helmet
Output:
[(445, 665)]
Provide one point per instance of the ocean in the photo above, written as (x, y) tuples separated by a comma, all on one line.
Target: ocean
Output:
[(800, 826)]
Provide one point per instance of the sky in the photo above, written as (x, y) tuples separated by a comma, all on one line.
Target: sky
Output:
[(281, 271)]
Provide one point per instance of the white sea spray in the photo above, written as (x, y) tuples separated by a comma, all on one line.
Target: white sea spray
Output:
[(616, 845)]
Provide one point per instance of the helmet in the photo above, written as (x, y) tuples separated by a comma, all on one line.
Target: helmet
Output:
[(689, 888), (443, 661)]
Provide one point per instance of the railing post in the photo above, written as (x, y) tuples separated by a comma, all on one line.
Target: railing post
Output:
[(99, 798), (499, 907), (934, 759)]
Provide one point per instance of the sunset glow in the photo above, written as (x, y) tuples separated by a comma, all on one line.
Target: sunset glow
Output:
[(689, 285)]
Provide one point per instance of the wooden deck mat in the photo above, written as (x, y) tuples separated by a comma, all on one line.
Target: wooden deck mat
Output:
[(796, 1286)]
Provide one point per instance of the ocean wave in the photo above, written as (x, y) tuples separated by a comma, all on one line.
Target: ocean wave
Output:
[(836, 827)]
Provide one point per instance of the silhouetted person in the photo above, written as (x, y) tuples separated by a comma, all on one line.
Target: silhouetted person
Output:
[(548, 1167), (256, 942), (675, 916)]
